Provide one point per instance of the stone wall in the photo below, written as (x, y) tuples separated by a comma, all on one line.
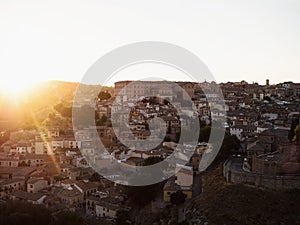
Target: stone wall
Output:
[(236, 175)]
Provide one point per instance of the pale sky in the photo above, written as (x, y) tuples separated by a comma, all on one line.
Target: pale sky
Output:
[(60, 39)]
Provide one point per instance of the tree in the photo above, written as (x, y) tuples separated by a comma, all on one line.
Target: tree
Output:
[(153, 100), (51, 115), (103, 119), (4, 136), (104, 95), (204, 134), (122, 217), (68, 218), (178, 197), (230, 145), (23, 213), (166, 101), (84, 116), (63, 110), (152, 160), (145, 100), (137, 194), (95, 177), (185, 222), (267, 98), (292, 132)]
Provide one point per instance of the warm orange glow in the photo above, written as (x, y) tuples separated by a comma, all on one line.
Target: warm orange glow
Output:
[(49, 149), (15, 88)]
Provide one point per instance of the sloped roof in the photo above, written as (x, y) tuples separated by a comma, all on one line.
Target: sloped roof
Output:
[(27, 196)]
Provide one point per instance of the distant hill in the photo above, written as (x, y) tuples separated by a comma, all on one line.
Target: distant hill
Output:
[(37, 102)]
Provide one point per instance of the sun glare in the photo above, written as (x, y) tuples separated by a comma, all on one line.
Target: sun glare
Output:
[(14, 88)]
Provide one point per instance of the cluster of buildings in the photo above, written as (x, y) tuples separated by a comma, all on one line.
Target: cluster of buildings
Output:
[(54, 168), (264, 119), (260, 116), (247, 111), (55, 174), (40, 144)]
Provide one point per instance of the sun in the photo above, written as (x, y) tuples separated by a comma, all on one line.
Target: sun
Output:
[(14, 88)]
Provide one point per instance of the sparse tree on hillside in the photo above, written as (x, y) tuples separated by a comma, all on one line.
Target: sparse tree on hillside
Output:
[(178, 198)]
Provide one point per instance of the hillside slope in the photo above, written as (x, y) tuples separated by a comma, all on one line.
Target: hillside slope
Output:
[(223, 203)]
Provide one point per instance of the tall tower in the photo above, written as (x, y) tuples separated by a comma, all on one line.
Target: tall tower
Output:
[(267, 82)]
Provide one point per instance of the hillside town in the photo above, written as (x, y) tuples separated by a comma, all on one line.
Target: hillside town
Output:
[(56, 166)]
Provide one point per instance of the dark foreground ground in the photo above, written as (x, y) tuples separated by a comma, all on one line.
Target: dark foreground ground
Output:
[(222, 203)]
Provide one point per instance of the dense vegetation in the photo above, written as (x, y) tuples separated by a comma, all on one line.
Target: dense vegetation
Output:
[(230, 144), (123, 218), (22, 213), (136, 194), (178, 197), (65, 111), (104, 95), (4, 136)]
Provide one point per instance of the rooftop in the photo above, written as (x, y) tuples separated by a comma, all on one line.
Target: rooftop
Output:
[(27, 196)]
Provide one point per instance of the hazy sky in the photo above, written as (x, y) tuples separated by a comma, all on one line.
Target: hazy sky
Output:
[(60, 39)]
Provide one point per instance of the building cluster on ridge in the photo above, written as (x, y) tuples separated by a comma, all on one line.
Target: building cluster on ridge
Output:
[(50, 168)]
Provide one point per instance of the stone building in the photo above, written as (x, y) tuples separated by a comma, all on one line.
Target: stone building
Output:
[(36, 184)]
